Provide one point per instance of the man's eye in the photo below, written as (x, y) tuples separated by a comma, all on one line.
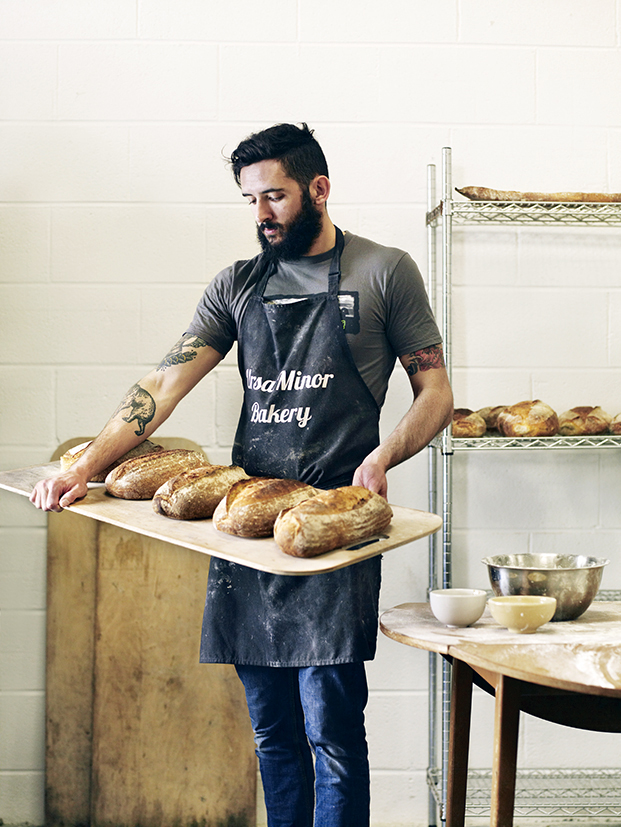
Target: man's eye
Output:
[(276, 197)]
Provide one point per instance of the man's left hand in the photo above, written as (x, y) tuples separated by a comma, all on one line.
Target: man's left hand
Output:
[(371, 476)]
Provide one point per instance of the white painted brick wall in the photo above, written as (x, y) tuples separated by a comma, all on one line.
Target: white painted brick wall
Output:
[(116, 208)]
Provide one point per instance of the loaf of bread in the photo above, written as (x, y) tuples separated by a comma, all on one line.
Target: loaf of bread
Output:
[(615, 424), (530, 418), (194, 494), (252, 505), (486, 194), (140, 477), (490, 416), (75, 453), (332, 519), (584, 421), (467, 423)]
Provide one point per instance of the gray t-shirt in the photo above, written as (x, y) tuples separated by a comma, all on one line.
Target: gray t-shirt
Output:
[(382, 296)]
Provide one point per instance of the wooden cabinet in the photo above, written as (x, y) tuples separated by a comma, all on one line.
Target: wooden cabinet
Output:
[(138, 732)]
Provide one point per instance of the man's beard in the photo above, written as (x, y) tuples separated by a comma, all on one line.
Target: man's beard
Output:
[(297, 237)]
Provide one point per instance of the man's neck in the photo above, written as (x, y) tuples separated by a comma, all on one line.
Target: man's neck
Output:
[(325, 240)]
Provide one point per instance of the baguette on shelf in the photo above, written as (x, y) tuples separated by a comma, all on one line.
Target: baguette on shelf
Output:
[(487, 194)]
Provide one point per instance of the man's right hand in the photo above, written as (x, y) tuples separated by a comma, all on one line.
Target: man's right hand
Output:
[(143, 409), (54, 493)]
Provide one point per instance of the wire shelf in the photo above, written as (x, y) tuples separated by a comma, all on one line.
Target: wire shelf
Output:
[(488, 442), (531, 212), (581, 793), (491, 442)]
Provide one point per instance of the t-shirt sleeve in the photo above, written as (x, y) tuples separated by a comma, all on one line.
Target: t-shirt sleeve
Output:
[(410, 323), (213, 320)]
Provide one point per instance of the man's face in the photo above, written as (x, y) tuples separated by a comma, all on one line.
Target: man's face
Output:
[(287, 220)]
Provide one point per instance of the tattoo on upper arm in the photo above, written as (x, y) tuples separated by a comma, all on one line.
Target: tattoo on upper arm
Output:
[(140, 406), (426, 359), (183, 351)]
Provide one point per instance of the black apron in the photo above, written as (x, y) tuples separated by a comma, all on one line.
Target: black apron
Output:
[(307, 415)]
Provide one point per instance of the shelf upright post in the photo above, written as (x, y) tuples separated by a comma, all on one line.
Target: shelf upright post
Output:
[(447, 444), (433, 502), (447, 441)]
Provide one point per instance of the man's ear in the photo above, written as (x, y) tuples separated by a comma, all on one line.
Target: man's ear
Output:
[(319, 189)]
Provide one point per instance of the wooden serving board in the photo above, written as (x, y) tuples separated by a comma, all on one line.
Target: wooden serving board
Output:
[(200, 535)]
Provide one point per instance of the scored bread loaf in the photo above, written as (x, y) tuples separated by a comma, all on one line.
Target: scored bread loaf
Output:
[(140, 477), (486, 194), (330, 520), (583, 421), (615, 424), (251, 506), (75, 453), (467, 423), (194, 494), (529, 418), (490, 416)]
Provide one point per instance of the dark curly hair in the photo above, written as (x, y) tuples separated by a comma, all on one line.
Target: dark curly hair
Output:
[(294, 146)]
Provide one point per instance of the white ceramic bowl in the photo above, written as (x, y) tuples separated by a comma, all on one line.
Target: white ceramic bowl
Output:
[(523, 613), (457, 607)]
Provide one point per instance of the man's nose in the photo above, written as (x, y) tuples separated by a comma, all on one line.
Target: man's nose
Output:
[(263, 212)]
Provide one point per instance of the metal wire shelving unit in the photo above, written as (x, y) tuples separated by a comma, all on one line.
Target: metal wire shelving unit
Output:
[(563, 793)]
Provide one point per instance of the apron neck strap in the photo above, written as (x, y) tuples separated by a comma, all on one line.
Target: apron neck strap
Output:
[(334, 276), (268, 268)]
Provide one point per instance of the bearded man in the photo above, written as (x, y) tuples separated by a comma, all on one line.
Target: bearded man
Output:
[(320, 318)]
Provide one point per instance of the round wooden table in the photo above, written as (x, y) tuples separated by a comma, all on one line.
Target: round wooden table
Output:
[(567, 672)]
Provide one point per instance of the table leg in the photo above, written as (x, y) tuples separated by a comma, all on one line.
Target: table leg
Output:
[(506, 727), (459, 737)]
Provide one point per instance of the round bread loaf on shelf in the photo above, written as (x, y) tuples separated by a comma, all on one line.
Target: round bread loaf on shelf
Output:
[(584, 421), (467, 423), (529, 418), (490, 415), (615, 424)]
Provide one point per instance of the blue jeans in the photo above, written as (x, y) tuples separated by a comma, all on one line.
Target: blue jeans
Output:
[(300, 712)]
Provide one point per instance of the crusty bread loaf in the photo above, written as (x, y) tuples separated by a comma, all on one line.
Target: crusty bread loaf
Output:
[(615, 424), (530, 418), (251, 505), (490, 416), (75, 453), (330, 520), (467, 423), (584, 421), (194, 494), (140, 477), (486, 194)]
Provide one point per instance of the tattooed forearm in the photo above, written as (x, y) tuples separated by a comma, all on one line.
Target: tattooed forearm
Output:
[(425, 359), (140, 407), (182, 351)]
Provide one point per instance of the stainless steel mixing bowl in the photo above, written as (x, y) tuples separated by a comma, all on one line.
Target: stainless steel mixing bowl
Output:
[(573, 579)]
